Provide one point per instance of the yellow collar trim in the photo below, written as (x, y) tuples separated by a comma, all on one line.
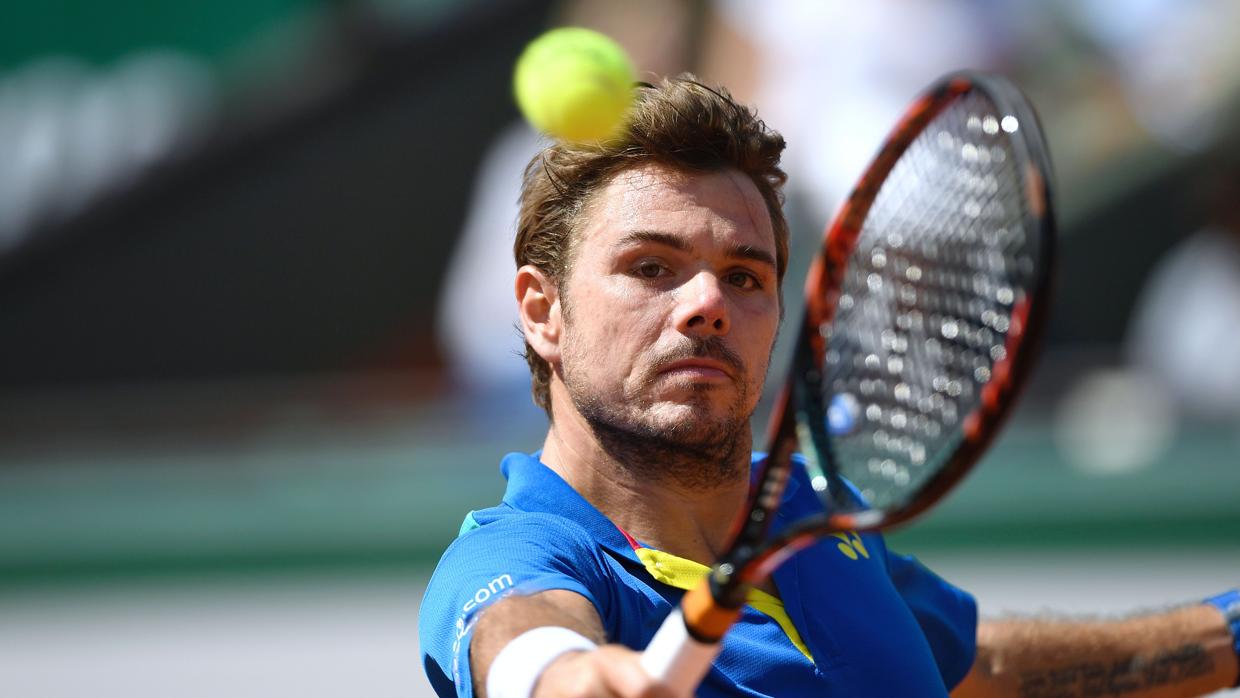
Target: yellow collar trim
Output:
[(685, 574)]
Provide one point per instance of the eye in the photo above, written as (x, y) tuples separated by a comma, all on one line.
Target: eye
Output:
[(650, 269), (743, 280)]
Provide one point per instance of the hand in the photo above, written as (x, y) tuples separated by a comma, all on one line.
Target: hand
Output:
[(611, 671)]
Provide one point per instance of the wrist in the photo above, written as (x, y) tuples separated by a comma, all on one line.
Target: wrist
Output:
[(1229, 604), (515, 670)]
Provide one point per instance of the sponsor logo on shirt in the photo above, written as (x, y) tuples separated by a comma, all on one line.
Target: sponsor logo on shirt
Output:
[(483, 594)]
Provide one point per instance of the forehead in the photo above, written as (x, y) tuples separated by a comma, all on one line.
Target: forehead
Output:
[(722, 205)]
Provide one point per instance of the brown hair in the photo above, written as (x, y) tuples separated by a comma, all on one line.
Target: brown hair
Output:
[(679, 123)]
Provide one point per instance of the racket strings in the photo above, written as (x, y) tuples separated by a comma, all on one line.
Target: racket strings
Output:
[(925, 309)]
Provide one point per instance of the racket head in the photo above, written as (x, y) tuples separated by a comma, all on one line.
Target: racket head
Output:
[(925, 304)]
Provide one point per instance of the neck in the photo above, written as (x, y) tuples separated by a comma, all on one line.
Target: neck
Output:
[(637, 486)]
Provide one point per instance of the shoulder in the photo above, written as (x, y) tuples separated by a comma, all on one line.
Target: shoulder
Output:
[(503, 543), (505, 521), (513, 552)]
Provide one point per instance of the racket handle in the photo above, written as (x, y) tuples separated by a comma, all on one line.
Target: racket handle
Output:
[(676, 658), (680, 657)]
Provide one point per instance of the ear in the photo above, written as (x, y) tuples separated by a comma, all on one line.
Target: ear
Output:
[(538, 301)]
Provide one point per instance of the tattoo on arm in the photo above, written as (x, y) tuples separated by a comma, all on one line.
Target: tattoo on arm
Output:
[(1121, 677)]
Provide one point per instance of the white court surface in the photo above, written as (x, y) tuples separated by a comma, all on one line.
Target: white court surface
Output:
[(351, 635)]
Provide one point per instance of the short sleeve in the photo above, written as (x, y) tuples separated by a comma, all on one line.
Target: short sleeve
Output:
[(947, 615), (511, 555)]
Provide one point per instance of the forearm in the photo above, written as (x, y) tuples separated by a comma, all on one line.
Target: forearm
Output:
[(552, 669), (1184, 652), (515, 615)]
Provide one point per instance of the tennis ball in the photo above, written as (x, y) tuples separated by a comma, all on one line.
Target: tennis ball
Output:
[(574, 84)]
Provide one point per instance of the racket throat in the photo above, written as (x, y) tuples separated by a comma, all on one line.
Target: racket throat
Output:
[(710, 609)]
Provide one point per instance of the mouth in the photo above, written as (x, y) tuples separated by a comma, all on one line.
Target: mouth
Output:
[(699, 369)]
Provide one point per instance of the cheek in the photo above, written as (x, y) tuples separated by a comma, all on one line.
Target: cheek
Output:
[(613, 328), (760, 332), (760, 323), (633, 331)]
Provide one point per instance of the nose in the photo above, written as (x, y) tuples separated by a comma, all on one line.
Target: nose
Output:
[(702, 306)]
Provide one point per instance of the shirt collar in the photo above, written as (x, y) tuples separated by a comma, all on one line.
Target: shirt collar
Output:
[(534, 487)]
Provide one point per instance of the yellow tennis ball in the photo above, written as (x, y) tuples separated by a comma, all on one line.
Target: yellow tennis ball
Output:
[(574, 84)]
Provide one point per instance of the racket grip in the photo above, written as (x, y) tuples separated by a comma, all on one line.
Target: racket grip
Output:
[(676, 658), (690, 638)]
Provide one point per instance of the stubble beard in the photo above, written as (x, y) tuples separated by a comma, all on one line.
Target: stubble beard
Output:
[(699, 453)]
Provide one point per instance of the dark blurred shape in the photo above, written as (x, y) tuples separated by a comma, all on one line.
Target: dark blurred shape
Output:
[(1109, 247), (305, 233), (74, 135)]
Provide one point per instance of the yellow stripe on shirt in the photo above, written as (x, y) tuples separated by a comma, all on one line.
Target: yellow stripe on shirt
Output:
[(685, 574)]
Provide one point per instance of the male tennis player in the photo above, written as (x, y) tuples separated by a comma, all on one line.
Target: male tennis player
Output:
[(648, 288)]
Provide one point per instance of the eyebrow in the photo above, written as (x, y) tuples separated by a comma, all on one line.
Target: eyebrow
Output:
[(638, 237)]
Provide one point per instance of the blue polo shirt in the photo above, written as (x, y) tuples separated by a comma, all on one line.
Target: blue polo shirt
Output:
[(851, 618)]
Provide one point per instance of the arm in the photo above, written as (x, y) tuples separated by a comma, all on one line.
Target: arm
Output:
[(513, 573), (1184, 652), (609, 670)]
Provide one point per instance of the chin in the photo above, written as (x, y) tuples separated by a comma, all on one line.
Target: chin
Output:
[(688, 415)]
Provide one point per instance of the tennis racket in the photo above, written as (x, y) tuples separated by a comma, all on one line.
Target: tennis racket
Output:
[(921, 312)]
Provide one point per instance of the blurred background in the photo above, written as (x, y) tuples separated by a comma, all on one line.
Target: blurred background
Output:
[(257, 357)]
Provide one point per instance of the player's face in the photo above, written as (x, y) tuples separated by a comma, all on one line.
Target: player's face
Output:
[(671, 306)]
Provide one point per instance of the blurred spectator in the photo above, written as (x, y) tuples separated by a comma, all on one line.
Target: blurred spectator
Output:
[(1185, 330), (834, 77), (1175, 60)]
